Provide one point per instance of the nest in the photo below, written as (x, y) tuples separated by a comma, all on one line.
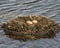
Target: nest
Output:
[(30, 28)]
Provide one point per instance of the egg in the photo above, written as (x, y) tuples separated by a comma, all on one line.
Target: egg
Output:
[(29, 22), (34, 21)]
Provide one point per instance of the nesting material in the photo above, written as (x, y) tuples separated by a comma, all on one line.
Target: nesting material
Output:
[(30, 28)]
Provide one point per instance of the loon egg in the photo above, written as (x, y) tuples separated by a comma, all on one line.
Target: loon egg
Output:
[(29, 22), (34, 21)]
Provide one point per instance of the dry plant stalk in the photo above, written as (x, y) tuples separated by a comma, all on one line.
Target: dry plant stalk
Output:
[(30, 28)]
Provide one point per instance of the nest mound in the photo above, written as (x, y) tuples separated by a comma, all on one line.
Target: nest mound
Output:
[(30, 28)]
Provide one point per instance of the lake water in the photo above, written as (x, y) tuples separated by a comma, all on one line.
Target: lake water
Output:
[(12, 8)]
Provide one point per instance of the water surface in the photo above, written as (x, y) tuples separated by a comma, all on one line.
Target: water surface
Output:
[(12, 8)]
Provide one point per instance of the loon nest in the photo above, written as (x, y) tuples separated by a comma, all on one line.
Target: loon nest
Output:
[(30, 28)]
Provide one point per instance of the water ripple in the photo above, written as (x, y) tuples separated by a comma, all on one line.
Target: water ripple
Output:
[(12, 8)]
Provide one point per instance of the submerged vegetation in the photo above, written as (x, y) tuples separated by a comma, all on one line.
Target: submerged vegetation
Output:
[(30, 28)]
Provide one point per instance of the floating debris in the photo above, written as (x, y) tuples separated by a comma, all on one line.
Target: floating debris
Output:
[(30, 28)]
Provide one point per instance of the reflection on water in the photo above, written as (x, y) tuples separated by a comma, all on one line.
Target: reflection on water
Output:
[(12, 8)]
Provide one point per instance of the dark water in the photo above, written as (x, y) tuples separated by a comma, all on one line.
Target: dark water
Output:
[(12, 8)]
